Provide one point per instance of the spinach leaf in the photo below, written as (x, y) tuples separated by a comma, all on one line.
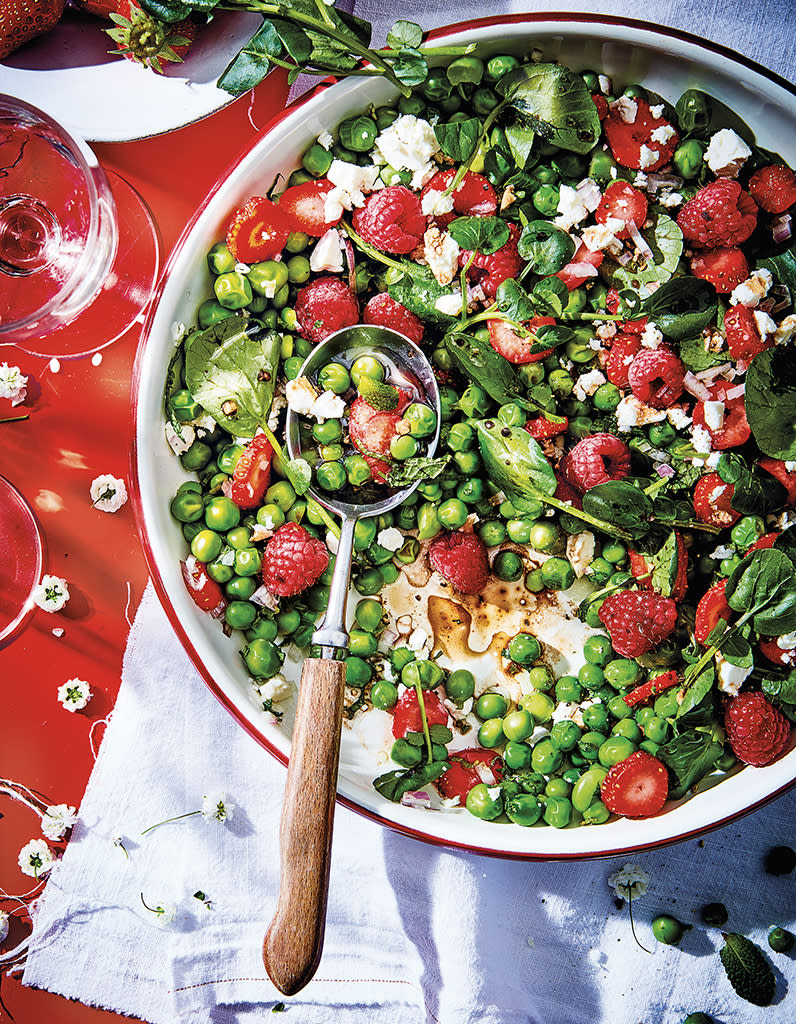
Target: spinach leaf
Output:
[(782, 689), (402, 474), (621, 504), (550, 295), (771, 401), (419, 292), (697, 356), (665, 564), (515, 462), (763, 587), (738, 651), (681, 307), (230, 369), (783, 267), (481, 364), (547, 247), (786, 543), (666, 242), (295, 40), (555, 103), (395, 784), (484, 234), (410, 67), (405, 33), (689, 758), (520, 140), (752, 494), (458, 139), (252, 63), (513, 301), (697, 689)]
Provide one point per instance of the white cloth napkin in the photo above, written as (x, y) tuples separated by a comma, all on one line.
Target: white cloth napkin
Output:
[(415, 933)]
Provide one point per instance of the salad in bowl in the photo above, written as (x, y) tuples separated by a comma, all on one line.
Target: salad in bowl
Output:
[(578, 633)]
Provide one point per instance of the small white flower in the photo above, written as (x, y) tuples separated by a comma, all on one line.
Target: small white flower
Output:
[(51, 594), (630, 882), (74, 694), (216, 807), (57, 819), (108, 493), (13, 384), (3, 925), (164, 911), (35, 858)]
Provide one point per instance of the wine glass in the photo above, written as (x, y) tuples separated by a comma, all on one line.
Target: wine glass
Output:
[(79, 253), (21, 561)]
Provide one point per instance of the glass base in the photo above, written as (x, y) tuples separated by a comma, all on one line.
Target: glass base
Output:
[(21, 561), (125, 295)]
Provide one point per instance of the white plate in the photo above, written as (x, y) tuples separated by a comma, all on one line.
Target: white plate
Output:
[(631, 52), (100, 96)]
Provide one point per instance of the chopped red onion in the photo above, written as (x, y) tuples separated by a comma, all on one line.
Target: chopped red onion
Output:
[(416, 798), (663, 469), (696, 387), (781, 228)]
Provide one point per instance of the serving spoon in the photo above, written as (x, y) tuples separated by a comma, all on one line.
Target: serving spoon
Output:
[(294, 940)]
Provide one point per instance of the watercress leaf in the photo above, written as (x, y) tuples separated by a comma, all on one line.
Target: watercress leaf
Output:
[(689, 758), (481, 364), (405, 33), (458, 139), (764, 587), (546, 247), (621, 504), (410, 66), (782, 690), (514, 461), (555, 103), (520, 139), (681, 307), (552, 336), (402, 474), (299, 473), (771, 401), (393, 785), (738, 651), (786, 543), (169, 10), (549, 296), (252, 63), (483, 234), (295, 40), (513, 301), (419, 292), (665, 239), (230, 369)]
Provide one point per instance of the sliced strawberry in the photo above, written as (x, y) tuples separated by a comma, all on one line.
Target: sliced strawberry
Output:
[(735, 428), (252, 473), (773, 188), (632, 142), (582, 267), (651, 688), (777, 655), (304, 205), (778, 469), (724, 268), (257, 231), (474, 196), (371, 432), (541, 427), (493, 269), (514, 348), (743, 337), (712, 606), (624, 348), (621, 201), (643, 571), (612, 302), (713, 501), (407, 716), (204, 592), (467, 769), (636, 787), (768, 540)]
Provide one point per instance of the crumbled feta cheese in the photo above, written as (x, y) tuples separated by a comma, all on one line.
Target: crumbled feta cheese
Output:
[(599, 237), (657, 110), (640, 180), (418, 639), (753, 289), (651, 337), (351, 183), (731, 677), (701, 440), (714, 415), (327, 255), (726, 153), (300, 395), (671, 199), (606, 331), (277, 689), (722, 551), (787, 642), (678, 417), (441, 252), (662, 134), (326, 140), (627, 108), (182, 441), (712, 460), (604, 83), (790, 467), (409, 144), (632, 413), (449, 304), (390, 538), (786, 330), (436, 202), (278, 403), (588, 383), (648, 157), (327, 406), (580, 551), (765, 325), (575, 204)]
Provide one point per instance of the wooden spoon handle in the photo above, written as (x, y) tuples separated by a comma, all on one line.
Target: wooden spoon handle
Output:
[(294, 940)]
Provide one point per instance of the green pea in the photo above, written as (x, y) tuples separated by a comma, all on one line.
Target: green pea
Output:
[(498, 66), (232, 290), (452, 513), (546, 199), (597, 650), (369, 581), (557, 574), (421, 419), (507, 510), (539, 705), (490, 734), (475, 401), (607, 397), (698, 1018), (614, 552), (385, 116), (565, 735), (668, 929), (220, 571), (460, 437), (507, 565), (599, 571), (483, 802), (248, 562), (781, 940), (589, 744), (405, 754), (667, 705), (365, 534), (430, 490), (523, 809), (316, 160), (221, 514), (197, 457), (241, 615), (557, 787), (206, 545), (512, 415), (591, 676), (601, 166), (557, 811), (661, 434), (614, 750), (270, 516), (595, 717), (465, 71), (569, 690), (689, 158), (361, 643), (524, 649), (747, 530), (238, 537), (288, 621), (366, 366), (358, 133), (518, 725), (241, 588), (622, 673), (517, 756), (436, 86), (369, 614), (428, 524), (187, 507), (657, 729), (545, 537), (460, 685), (220, 260), (587, 788), (408, 551), (334, 377), (519, 530), (492, 532), (357, 470), (541, 678), (470, 491), (626, 726), (491, 705), (358, 672), (281, 494)]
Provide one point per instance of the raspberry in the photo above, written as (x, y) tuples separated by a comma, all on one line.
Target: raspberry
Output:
[(492, 270), (597, 459), (473, 197), (725, 269), (773, 188), (384, 311), (636, 621), (323, 307), (513, 347), (293, 560), (712, 501), (720, 214), (656, 377), (623, 348), (462, 559), (743, 337), (391, 220), (757, 732)]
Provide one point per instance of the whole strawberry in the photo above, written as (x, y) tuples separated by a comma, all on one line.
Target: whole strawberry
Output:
[(757, 732), (637, 621), (22, 20), (147, 40), (462, 559), (293, 560), (720, 214)]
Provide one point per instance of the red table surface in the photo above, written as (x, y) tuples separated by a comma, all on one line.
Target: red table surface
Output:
[(79, 427)]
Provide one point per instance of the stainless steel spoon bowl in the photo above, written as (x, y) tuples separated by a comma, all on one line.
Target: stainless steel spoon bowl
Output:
[(294, 941)]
